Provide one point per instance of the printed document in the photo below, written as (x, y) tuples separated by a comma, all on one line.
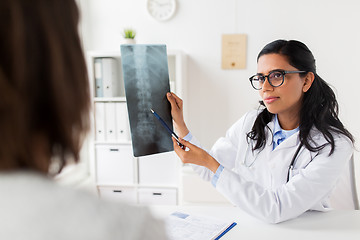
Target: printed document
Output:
[(181, 226)]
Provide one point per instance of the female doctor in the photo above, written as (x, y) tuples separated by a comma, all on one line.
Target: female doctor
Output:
[(289, 156)]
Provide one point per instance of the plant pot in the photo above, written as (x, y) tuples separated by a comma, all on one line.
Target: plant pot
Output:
[(129, 41)]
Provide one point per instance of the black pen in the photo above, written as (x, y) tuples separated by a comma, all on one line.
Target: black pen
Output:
[(167, 127)]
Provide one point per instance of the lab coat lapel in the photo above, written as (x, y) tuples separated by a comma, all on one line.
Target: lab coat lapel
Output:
[(255, 162), (269, 132)]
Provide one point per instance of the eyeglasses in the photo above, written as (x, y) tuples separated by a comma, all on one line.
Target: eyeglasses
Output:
[(276, 78)]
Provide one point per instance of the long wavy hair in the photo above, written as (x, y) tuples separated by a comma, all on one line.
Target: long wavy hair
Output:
[(44, 89), (319, 107)]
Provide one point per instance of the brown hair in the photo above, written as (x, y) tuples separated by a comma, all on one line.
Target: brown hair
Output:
[(44, 92)]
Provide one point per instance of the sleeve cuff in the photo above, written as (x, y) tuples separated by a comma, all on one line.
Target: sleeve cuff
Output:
[(217, 175), (188, 137)]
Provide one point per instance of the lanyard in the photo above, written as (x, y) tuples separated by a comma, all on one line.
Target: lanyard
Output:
[(293, 161)]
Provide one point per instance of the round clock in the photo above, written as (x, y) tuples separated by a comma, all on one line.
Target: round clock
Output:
[(161, 9)]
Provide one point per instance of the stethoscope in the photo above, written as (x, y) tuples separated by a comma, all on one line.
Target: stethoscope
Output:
[(291, 166)]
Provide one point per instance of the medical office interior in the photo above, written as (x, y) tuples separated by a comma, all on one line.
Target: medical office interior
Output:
[(214, 97)]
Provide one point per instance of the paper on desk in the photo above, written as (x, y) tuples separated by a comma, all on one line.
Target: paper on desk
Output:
[(181, 226)]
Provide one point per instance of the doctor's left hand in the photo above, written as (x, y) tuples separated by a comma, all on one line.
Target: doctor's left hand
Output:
[(195, 155)]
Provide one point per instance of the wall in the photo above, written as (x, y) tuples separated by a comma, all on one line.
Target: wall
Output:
[(216, 97)]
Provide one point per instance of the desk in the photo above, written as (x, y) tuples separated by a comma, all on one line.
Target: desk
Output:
[(343, 225)]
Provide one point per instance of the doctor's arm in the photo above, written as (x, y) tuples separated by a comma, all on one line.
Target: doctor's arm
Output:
[(304, 191)]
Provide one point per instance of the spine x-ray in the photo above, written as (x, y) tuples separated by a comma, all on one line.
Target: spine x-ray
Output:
[(146, 78)]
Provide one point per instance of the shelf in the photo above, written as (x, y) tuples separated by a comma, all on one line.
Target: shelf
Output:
[(156, 186), (112, 99), (99, 184), (118, 184), (113, 143), (116, 54), (110, 129)]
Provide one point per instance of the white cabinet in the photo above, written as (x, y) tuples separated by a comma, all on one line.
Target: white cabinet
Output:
[(119, 176), (114, 164), (151, 169)]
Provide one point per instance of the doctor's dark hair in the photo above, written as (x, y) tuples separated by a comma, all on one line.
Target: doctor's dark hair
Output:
[(319, 107), (44, 92)]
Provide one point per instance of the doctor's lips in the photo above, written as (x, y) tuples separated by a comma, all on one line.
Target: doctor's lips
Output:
[(270, 99)]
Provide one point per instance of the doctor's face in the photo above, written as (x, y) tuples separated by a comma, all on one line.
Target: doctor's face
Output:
[(284, 100)]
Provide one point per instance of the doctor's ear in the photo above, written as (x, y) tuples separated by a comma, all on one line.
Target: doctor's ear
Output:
[(309, 79)]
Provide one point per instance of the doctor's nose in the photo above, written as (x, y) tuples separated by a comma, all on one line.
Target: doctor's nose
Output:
[(266, 86)]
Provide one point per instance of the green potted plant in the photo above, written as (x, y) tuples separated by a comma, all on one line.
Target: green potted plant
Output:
[(129, 35)]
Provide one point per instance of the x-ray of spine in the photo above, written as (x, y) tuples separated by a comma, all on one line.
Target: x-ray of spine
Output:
[(143, 95), (146, 78)]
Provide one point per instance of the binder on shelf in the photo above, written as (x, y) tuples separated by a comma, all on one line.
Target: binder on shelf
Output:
[(122, 122), (100, 122), (110, 122), (110, 80), (99, 92)]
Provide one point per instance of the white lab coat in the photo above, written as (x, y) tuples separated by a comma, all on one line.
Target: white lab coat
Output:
[(256, 181)]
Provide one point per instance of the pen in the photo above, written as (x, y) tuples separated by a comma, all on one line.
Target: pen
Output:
[(167, 127)]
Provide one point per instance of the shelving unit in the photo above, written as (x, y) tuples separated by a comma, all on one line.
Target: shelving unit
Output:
[(153, 179)]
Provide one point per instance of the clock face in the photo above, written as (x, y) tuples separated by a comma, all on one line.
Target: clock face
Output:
[(161, 9)]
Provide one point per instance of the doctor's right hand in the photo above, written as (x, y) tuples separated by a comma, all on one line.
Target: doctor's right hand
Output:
[(177, 114), (194, 155)]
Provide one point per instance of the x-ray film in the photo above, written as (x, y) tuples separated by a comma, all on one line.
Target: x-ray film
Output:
[(146, 78)]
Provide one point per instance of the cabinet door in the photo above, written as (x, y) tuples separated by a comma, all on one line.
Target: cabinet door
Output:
[(159, 169), (115, 164), (114, 193), (163, 196)]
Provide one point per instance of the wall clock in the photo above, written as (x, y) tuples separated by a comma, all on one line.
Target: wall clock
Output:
[(161, 10)]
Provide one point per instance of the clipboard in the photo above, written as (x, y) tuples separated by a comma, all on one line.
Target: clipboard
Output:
[(146, 81)]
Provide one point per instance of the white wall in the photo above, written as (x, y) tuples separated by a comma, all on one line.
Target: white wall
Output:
[(216, 97)]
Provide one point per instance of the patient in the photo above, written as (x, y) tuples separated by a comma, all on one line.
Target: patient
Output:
[(44, 115)]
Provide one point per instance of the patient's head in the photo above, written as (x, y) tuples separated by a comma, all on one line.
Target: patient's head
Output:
[(44, 93)]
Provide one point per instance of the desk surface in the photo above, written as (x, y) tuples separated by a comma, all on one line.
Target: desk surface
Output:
[(342, 225)]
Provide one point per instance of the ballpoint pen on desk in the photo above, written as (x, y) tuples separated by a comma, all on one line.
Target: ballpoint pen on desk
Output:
[(167, 127)]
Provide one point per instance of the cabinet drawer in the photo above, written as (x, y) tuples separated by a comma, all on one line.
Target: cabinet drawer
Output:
[(114, 164), (157, 196), (124, 194), (159, 169)]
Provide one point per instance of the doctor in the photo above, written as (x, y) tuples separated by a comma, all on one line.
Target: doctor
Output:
[(289, 156)]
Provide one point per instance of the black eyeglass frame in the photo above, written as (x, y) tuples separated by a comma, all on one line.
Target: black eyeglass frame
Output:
[(283, 72)]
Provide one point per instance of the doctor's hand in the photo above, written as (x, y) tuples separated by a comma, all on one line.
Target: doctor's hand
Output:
[(195, 155), (177, 114)]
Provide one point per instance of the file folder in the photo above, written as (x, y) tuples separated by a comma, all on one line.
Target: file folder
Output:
[(111, 81), (122, 123), (99, 92), (99, 121), (110, 122)]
